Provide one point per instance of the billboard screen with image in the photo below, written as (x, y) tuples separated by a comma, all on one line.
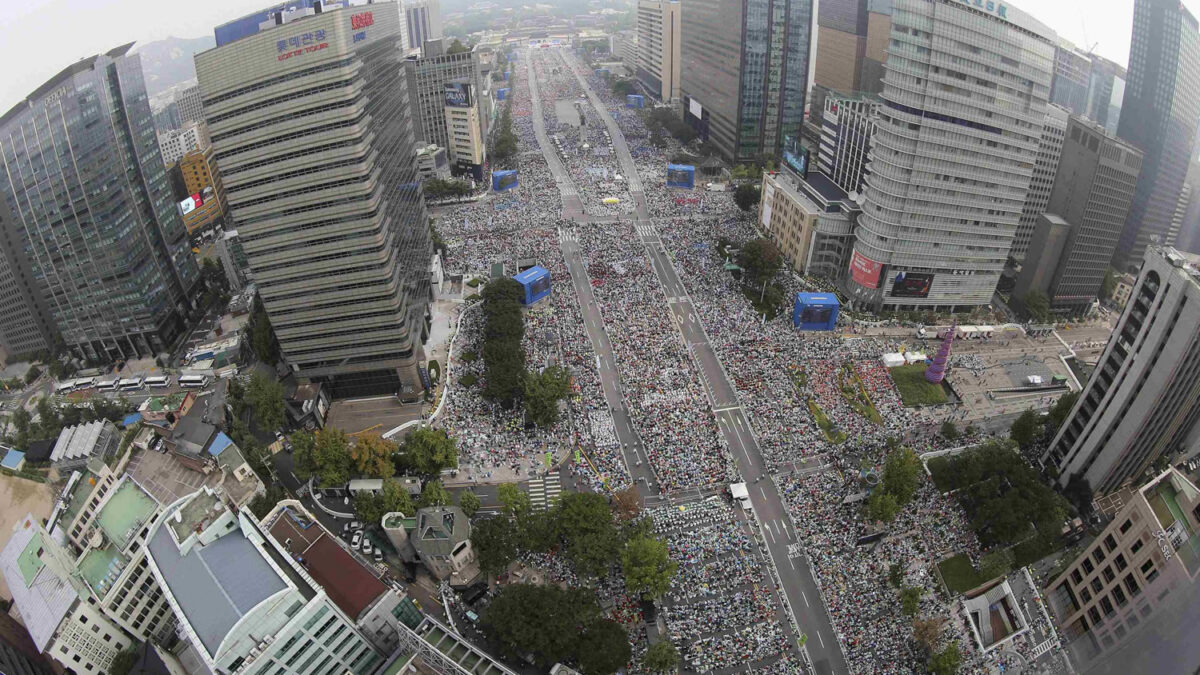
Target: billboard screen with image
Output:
[(503, 180), (911, 285), (458, 95), (681, 176), (191, 204), (795, 155)]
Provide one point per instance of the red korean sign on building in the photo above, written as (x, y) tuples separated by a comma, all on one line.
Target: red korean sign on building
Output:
[(360, 21), (865, 271)]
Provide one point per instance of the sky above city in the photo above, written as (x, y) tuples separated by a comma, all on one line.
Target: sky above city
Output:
[(41, 37)]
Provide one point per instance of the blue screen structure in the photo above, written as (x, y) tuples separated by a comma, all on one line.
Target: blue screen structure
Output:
[(536, 282), (503, 180), (635, 101), (815, 311), (681, 176), (502, 94)]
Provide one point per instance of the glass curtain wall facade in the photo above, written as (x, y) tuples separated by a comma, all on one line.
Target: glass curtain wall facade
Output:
[(964, 103), (315, 148), (1158, 115), (93, 209)]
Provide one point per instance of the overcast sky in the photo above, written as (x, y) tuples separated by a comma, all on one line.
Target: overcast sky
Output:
[(41, 37)]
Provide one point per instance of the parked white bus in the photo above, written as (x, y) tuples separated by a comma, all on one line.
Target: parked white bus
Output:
[(107, 385), (193, 381), (158, 381), (65, 387), (84, 383), (130, 384)]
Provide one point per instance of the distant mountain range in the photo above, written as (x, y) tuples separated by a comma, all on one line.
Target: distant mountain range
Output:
[(168, 62)]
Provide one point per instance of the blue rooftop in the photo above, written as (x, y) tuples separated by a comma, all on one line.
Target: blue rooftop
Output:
[(219, 444), (531, 274), (13, 459), (817, 298), (131, 419)]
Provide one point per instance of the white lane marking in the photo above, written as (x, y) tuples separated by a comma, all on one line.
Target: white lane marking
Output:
[(822, 640), (771, 535), (764, 494), (793, 568), (805, 596)]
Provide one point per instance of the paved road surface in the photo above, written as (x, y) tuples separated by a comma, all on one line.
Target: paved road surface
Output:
[(572, 205), (795, 575)]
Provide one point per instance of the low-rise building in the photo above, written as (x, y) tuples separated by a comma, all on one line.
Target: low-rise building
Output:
[(432, 162), (205, 190), (442, 540), (79, 443), (1123, 288), (810, 219)]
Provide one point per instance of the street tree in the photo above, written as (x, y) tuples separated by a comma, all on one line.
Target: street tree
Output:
[(372, 507), (947, 661), (433, 494), (746, 196), (761, 259), (547, 623), (513, 499), (326, 456), (648, 567), (949, 431), (373, 456), (589, 535), (910, 600), (882, 506), (262, 504), (427, 451), (495, 541), (661, 657), (603, 648), (543, 391), (264, 395), (627, 503), (902, 475), (468, 502), (1037, 305), (927, 631), (1024, 429)]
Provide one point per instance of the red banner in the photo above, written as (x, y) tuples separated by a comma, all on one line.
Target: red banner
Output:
[(865, 271)]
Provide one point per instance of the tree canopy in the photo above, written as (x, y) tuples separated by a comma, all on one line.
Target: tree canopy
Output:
[(947, 661), (324, 454), (371, 507), (264, 395), (543, 391), (468, 502), (747, 196), (495, 541), (1025, 429), (661, 657), (513, 499), (427, 452), (503, 355), (1037, 305), (902, 475), (648, 567), (373, 456), (433, 494)]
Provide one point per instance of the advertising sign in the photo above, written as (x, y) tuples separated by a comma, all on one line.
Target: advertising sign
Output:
[(815, 311), (795, 155), (191, 204), (503, 180), (304, 43), (865, 271), (911, 285), (458, 94), (695, 108)]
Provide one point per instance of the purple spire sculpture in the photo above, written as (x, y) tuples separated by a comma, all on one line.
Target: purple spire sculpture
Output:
[(936, 372)]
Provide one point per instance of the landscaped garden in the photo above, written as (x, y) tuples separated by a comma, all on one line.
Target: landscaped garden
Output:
[(914, 389)]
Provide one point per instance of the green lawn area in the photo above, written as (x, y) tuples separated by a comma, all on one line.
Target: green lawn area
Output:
[(958, 573), (772, 299), (914, 390), (832, 433)]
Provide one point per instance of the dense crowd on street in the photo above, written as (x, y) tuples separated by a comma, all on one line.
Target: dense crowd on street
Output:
[(722, 611)]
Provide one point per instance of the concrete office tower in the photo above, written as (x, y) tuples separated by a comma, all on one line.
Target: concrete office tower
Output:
[(1158, 115), (427, 77), (846, 127), (191, 107), (423, 19), (323, 193), (1105, 92), (1144, 562), (624, 45), (745, 73), (243, 601), (464, 127), (1141, 401), (1072, 77), (952, 155), (1054, 128), (179, 142), (27, 326), (841, 44), (84, 178), (658, 47), (1093, 192)]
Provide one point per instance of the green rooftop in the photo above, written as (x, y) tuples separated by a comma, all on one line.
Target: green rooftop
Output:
[(100, 567), (127, 510), (29, 561), (168, 402), (78, 498)]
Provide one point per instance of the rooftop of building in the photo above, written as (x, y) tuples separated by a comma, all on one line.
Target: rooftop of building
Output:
[(214, 585), (100, 567), (75, 496), (439, 529), (397, 520), (41, 596), (195, 514), (350, 585), (167, 479), (80, 66), (126, 510), (995, 615), (165, 403), (79, 441)]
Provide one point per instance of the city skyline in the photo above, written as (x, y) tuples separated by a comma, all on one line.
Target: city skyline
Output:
[(95, 27)]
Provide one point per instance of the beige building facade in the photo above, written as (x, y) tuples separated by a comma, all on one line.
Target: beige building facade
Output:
[(658, 41)]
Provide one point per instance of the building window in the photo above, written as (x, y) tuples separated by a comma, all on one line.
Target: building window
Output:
[(1137, 546)]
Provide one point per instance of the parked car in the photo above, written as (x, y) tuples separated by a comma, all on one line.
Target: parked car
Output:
[(378, 555), (355, 525), (356, 540), (367, 549)]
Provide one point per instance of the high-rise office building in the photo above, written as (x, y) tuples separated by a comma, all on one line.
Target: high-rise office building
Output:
[(1072, 77), (167, 118), (846, 127), (879, 35), (84, 178), (423, 20), (841, 44), (952, 155), (191, 107), (624, 46), (430, 77), (1144, 562), (658, 47), (322, 190), (179, 142), (27, 325), (1141, 401), (1054, 129), (1092, 191), (244, 602), (1158, 115), (1105, 92), (745, 73)]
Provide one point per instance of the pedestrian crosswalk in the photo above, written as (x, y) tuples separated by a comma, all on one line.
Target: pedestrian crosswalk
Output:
[(646, 231), (567, 235), (543, 491)]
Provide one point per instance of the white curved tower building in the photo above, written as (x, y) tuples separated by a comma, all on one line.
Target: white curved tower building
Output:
[(965, 91)]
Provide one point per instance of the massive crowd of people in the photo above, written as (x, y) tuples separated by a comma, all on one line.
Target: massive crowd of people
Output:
[(722, 611)]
